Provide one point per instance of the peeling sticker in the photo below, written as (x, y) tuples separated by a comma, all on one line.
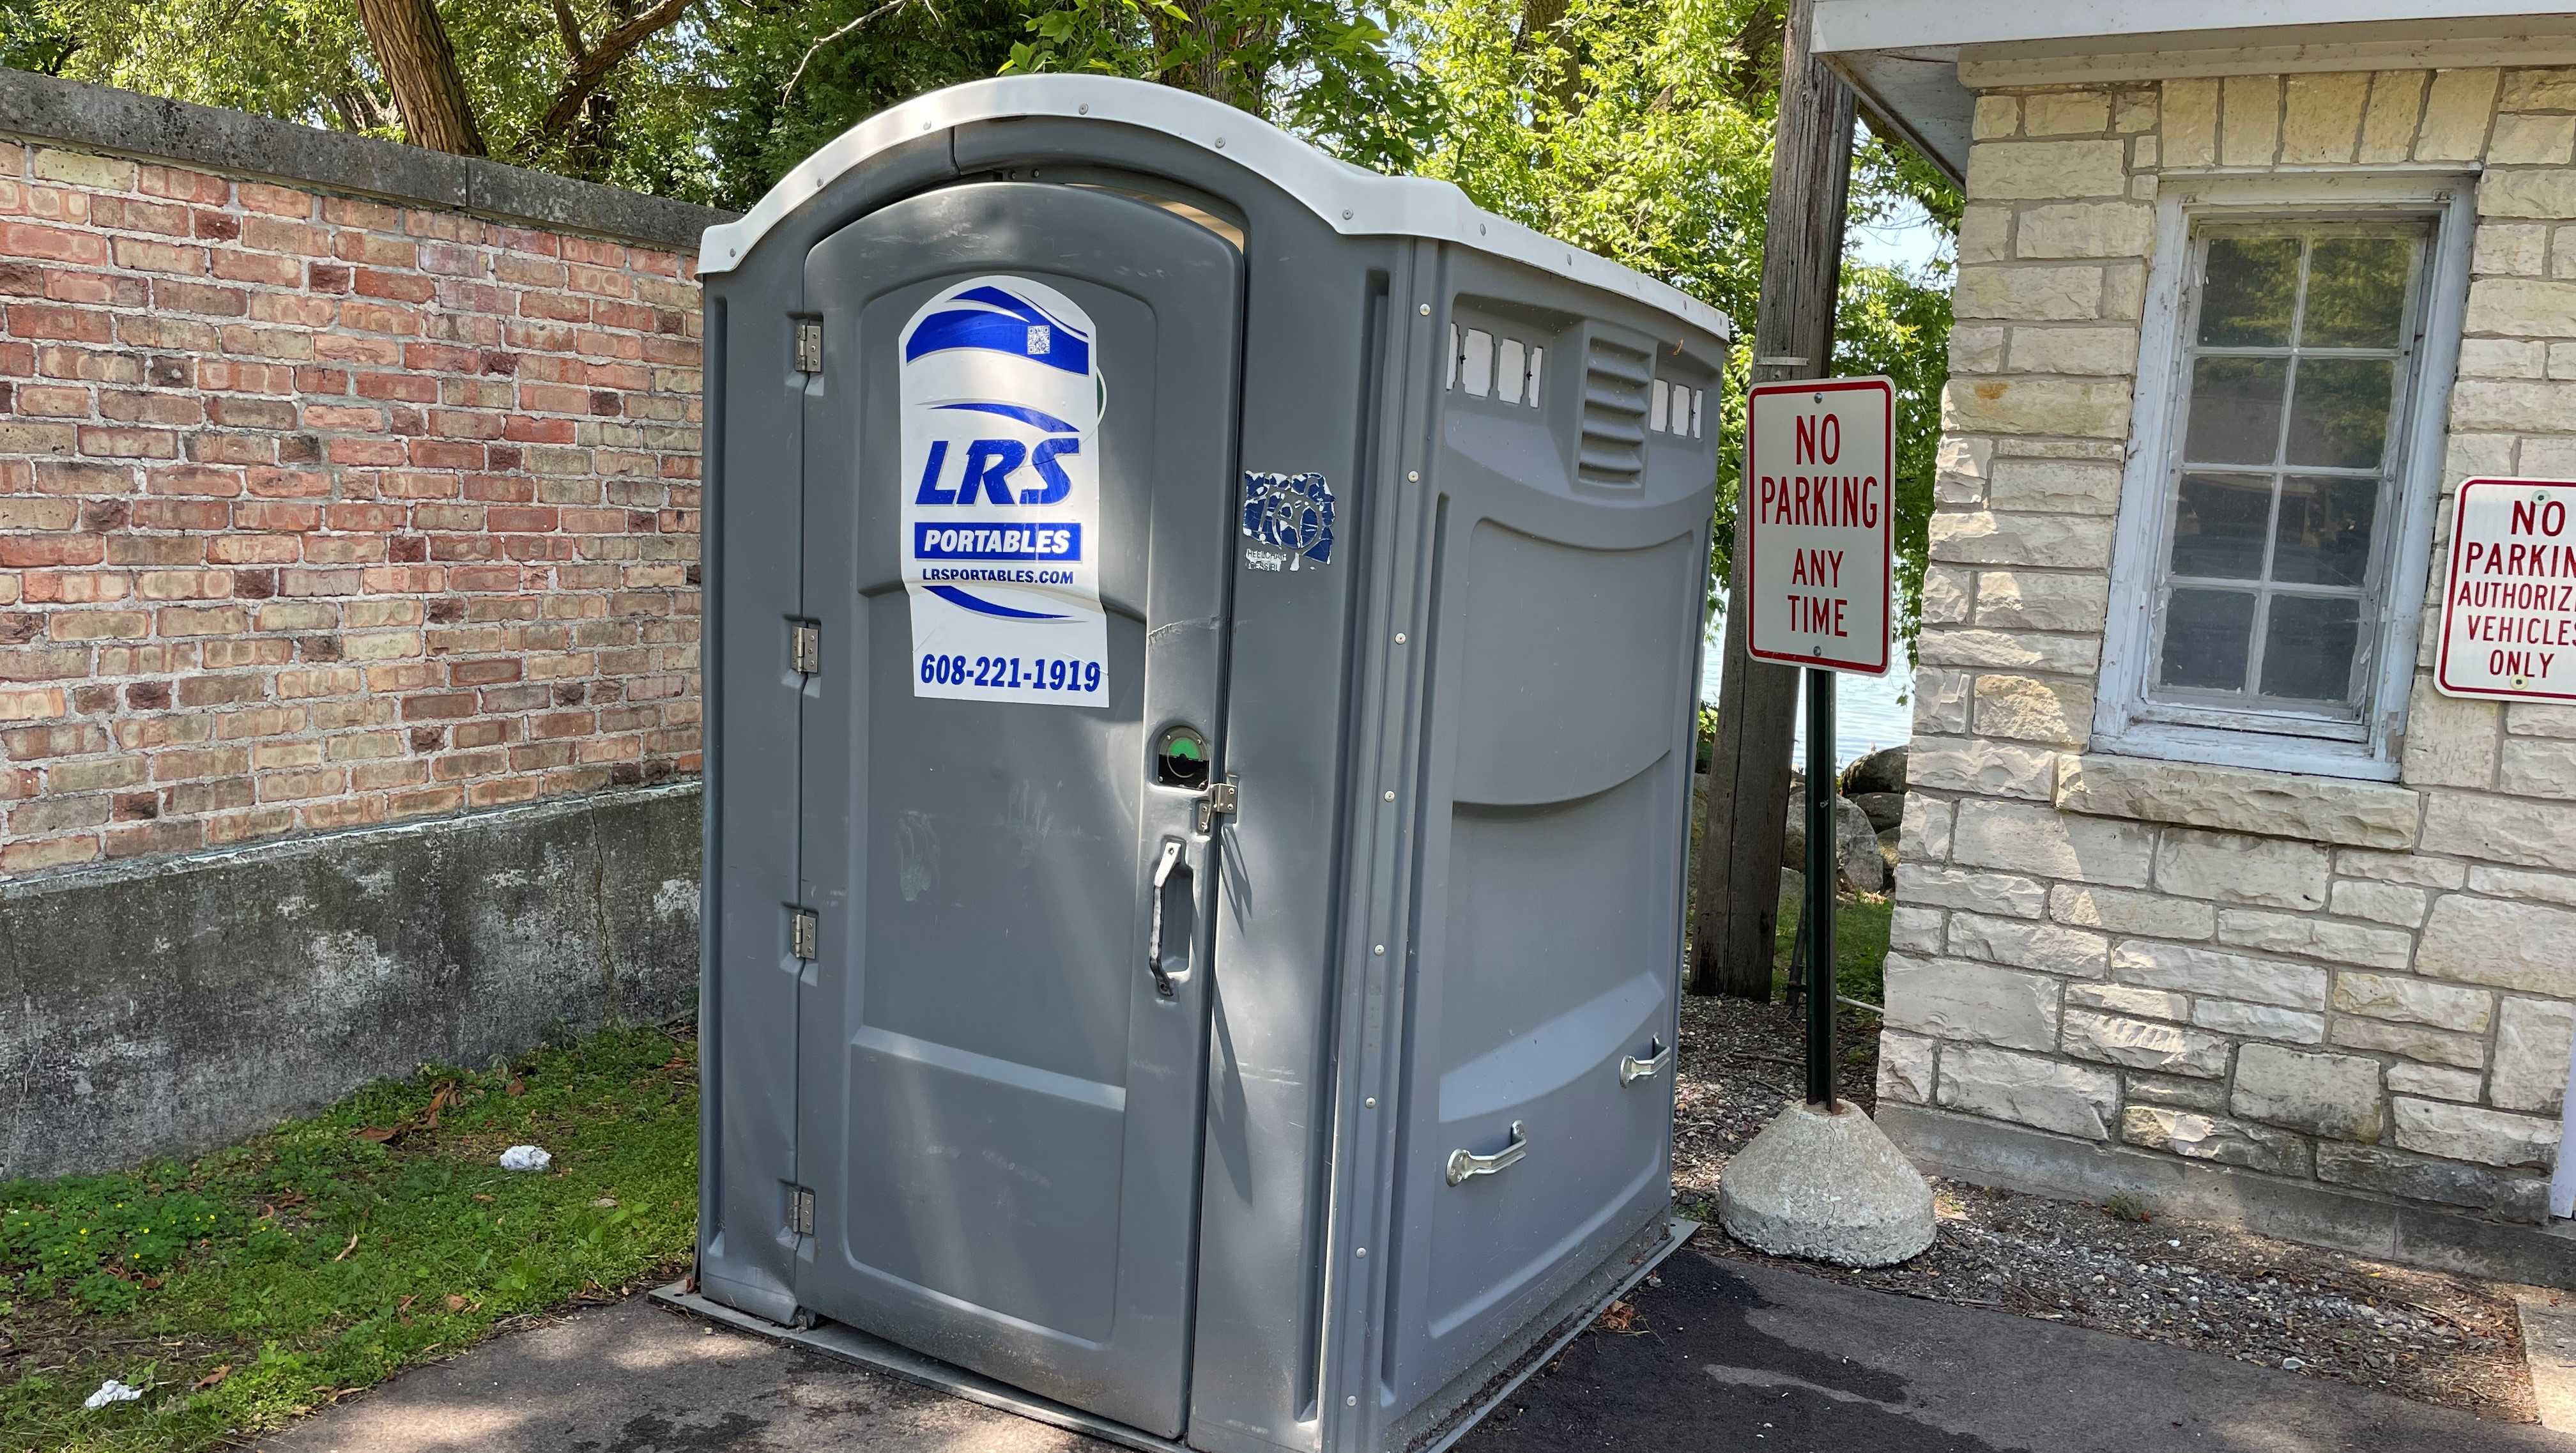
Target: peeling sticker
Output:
[(1292, 514)]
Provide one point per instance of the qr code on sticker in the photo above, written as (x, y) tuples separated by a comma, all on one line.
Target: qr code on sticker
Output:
[(1041, 339)]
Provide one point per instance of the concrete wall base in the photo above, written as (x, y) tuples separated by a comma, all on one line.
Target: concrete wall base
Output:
[(2013, 1157), (170, 1007)]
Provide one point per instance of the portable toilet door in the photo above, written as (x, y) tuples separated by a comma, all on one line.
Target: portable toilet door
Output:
[(1002, 1057), (1068, 443)]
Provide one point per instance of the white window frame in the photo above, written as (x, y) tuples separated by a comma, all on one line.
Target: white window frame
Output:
[(2125, 721)]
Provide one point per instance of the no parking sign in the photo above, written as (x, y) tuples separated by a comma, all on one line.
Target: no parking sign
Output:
[(2509, 608), (1819, 482)]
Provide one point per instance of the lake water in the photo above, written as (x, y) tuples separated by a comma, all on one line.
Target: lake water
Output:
[(1870, 712)]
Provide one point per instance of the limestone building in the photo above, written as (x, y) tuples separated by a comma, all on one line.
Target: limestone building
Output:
[(2209, 894)]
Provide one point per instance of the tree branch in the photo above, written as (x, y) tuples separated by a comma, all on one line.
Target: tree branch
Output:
[(591, 68), (887, 8), (566, 22)]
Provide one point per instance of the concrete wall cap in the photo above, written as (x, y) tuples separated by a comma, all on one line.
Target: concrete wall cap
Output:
[(102, 118)]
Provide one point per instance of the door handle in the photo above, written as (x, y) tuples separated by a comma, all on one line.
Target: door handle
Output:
[(1154, 937), (1633, 1069), (1466, 1165)]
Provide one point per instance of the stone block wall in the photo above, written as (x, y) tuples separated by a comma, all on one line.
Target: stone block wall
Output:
[(322, 509), (2355, 987)]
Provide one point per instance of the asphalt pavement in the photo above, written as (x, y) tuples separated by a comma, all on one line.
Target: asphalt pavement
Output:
[(1720, 1355)]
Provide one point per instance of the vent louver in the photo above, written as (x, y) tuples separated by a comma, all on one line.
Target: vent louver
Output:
[(1615, 382)]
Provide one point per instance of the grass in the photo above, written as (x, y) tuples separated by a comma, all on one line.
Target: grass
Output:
[(270, 1278), (1860, 948)]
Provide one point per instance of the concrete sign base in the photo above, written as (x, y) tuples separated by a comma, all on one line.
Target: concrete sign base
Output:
[(1826, 1187)]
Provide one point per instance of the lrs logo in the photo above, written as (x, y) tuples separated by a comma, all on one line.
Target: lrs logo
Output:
[(985, 474), (1001, 407)]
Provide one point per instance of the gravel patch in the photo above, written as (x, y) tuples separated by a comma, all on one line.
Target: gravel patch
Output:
[(2432, 1336)]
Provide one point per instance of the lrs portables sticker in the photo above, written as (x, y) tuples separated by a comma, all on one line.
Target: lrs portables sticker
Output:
[(1001, 402)]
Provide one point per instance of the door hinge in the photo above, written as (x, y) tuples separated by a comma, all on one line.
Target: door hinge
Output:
[(800, 1211), (809, 345), (804, 931), (1218, 801), (805, 647)]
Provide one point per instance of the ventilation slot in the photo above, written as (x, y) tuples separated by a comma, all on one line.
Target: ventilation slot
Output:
[(1615, 383)]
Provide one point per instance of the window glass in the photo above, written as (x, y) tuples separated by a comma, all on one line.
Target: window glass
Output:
[(2236, 410), (2339, 414), (2250, 290), (2324, 535), (2308, 647), (2208, 639), (2357, 292), (2219, 524), (2294, 376)]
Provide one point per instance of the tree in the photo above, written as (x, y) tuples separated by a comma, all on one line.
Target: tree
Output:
[(1321, 68), (412, 53), (602, 89)]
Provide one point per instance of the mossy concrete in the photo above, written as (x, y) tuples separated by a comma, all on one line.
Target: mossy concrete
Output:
[(170, 1007)]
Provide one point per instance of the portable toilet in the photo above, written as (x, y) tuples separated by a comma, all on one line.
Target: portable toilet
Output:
[(1200, 661)]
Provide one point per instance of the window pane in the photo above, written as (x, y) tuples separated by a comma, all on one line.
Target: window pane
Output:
[(2324, 534), (2356, 292), (2218, 525), (2339, 415), (2235, 410), (2208, 634), (2308, 646), (2247, 292)]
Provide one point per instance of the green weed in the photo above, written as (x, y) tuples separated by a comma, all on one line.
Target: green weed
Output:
[(264, 1279)]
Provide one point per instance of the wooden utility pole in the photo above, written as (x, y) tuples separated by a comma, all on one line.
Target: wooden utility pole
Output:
[(411, 47), (1793, 334)]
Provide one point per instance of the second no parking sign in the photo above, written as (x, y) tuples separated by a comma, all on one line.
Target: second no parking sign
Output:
[(1819, 472)]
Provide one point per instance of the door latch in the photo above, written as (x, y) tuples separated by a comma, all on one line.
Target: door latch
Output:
[(1217, 801)]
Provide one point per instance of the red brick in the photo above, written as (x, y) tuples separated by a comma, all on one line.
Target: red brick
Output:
[(183, 185), (256, 267), (146, 256), (121, 443), (232, 448), (273, 200), (39, 320), (173, 836), (194, 479), (163, 407), (96, 288), (409, 387), (401, 287), (292, 310), (559, 307), (268, 234), (133, 215), (54, 244), (188, 297), (23, 551)]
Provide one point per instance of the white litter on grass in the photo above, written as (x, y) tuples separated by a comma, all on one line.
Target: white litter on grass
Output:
[(525, 1157), (111, 1391)]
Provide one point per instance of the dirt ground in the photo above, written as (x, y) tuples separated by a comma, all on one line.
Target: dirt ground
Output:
[(2430, 1336)]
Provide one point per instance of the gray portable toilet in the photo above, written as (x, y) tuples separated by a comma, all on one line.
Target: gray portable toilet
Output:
[(1201, 646)]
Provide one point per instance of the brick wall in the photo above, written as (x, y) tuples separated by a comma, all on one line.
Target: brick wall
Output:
[(2365, 986), (319, 511)]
